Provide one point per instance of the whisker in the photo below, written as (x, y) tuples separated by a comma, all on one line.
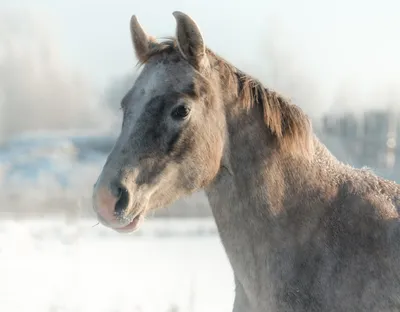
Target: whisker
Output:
[(96, 224)]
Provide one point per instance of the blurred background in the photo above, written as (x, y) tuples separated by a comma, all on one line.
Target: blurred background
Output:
[(64, 67)]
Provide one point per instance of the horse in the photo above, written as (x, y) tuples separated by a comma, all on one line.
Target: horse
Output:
[(302, 230)]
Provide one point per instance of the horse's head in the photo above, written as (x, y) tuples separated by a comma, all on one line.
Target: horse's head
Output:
[(171, 141)]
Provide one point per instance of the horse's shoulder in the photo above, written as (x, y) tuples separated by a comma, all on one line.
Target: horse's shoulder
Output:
[(366, 203)]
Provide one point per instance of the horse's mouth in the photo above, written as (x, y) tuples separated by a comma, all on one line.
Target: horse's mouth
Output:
[(132, 226)]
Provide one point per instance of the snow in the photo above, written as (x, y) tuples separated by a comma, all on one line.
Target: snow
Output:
[(51, 265)]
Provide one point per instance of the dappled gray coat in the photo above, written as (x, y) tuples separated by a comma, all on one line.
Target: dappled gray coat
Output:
[(302, 231)]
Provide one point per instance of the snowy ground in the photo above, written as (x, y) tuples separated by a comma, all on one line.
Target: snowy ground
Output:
[(50, 265)]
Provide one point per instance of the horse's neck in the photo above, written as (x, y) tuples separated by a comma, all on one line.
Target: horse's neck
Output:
[(260, 201), (258, 187)]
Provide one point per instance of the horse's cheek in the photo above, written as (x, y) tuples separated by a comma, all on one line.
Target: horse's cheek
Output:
[(214, 162)]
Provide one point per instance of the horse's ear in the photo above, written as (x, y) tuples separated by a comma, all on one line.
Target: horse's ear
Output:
[(189, 38), (141, 41)]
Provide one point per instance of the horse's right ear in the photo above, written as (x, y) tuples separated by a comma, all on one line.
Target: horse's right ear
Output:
[(141, 41), (189, 39)]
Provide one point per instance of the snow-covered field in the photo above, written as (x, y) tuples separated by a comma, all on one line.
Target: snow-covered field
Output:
[(169, 265)]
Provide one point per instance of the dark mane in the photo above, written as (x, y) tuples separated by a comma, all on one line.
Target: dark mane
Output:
[(285, 120)]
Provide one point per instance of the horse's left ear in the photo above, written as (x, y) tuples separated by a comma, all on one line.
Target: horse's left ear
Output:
[(189, 38)]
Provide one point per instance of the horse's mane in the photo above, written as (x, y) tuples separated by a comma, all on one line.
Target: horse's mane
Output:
[(286, 121)]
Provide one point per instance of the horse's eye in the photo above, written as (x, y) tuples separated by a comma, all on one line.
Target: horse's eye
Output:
[(180, 112)]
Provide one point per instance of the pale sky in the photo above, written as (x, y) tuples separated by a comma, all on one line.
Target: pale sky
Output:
[(329, 43)]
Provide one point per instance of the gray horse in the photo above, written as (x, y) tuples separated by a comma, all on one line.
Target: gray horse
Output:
[(302, 231)]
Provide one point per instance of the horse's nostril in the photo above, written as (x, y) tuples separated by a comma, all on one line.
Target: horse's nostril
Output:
[(118, 192), (122, 194)]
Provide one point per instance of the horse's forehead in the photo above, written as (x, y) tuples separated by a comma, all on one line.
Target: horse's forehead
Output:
[(164, 76), (158, 78)]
